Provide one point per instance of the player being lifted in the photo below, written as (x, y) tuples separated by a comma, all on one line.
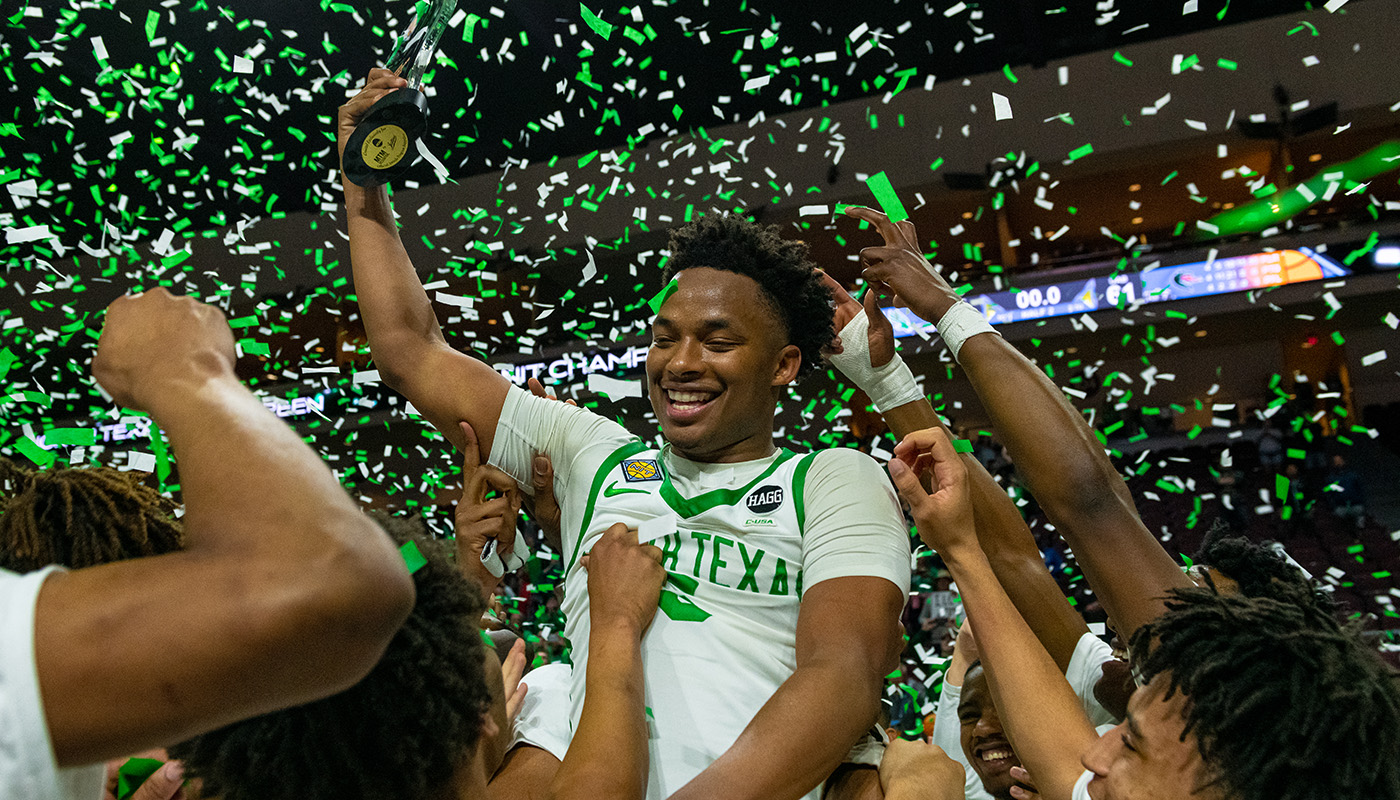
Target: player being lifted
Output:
[(786, 573)]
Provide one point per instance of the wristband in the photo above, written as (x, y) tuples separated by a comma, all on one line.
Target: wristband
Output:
[(960, 323), (888, 386)]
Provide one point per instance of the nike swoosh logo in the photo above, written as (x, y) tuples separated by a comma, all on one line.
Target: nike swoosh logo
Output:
[(613, 491)]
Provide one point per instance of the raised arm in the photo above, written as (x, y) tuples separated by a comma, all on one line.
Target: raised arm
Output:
[(284, 593), (1043, 718), (413, 358), (848, 639), (1001, 530), (1055, 451), (607, 757)]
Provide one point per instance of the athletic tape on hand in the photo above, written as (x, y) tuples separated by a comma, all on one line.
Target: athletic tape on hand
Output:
[(889, 386), (497, 566)]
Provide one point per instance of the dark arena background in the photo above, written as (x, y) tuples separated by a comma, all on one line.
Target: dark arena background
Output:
[(1186, 212)]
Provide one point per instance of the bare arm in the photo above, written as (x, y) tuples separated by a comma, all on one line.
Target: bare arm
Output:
[(847, 639), (284, 594), (1046, 725), (413, 357), (1002, 531), (608, 755), (1055, 451)]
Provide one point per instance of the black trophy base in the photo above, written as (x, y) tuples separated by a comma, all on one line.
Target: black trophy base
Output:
[(383, 145)]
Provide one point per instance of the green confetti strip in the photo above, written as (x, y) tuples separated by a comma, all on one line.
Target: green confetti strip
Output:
[(134, 772), (662, 296), (412, 557), (885, 195), (595, 22)]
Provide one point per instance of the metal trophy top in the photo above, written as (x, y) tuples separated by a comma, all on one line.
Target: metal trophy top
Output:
[(414, 49)]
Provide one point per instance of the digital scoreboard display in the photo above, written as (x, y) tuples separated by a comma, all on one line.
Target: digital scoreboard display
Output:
[(1153, 285)]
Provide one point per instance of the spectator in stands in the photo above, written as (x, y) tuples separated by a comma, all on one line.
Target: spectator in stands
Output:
[(1344, 492), (1270, 447), (280, 575)]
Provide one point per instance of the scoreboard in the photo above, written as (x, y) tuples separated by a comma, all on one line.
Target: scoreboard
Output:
[(1153, 285)]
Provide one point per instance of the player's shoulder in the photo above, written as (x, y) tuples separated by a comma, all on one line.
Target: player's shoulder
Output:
[(845, 459)]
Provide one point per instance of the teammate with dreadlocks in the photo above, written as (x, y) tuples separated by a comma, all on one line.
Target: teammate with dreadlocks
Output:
[(280, 577), (81, 518), (786, 573)]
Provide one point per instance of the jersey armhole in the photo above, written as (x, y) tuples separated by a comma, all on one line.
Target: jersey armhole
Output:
[(799, 486), (614, 458)]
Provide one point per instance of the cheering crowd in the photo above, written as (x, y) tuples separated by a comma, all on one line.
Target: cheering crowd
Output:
[(732, 609)]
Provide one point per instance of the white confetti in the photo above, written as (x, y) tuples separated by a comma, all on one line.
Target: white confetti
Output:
[(1333, 5), (368, 376), (242, 65), (1002, 106), (614, 388), (813, 211), (757, 83), (1373, 358), (33, 233)]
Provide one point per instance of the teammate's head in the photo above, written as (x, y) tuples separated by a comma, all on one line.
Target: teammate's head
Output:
[(1231, 563), (1252, 699), (408, 729), (984, 741), (81, 518), (749, 315)]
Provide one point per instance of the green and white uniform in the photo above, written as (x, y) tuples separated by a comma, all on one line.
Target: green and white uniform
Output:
[(741, 542)]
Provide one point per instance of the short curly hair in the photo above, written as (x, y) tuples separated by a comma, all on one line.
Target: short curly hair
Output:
[(791, 284), (1285, 703), (402, 731), (81, 517), (1259, 571)]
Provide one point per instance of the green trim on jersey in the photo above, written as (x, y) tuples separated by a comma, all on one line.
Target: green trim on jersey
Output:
[(799, 485), (688, 507), (614, 458)]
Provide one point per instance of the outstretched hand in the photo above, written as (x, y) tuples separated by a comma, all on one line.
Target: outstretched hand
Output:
[(898, 268), (478, 520), (943, 516), (879, 333)]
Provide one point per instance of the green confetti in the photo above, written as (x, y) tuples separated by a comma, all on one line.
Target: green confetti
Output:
[(31, 450), (7, 360), (1006, 70), (885, 195), (662, 296), (1080, 152), (412, 557), (962, 446), (592, 20), (152, 19), (1225, 63), (1122, 59), (75, 436), (133, 773)]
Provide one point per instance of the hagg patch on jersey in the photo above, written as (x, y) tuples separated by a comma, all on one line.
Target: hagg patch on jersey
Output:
[(765, 499), (639, 469)]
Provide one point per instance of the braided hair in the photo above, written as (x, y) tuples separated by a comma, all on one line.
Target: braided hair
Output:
[(402, 731), (1285, 703), (790, 283), (1258, 570), (81, 517)]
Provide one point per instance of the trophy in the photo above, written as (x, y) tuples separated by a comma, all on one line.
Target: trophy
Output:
[(378, 150)]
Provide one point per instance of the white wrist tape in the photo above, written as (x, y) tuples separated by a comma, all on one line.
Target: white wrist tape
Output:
[(962, 322), (497, 565), (889, 386)]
